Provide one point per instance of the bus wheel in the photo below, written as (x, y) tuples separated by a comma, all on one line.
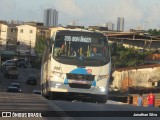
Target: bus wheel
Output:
[(43, 93), (50, 95)]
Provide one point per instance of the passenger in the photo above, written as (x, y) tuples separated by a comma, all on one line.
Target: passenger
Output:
[(73, 53), (62, 48), (95, 52), (60, 51)]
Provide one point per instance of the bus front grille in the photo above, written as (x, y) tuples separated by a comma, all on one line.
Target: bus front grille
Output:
[(80, 80)]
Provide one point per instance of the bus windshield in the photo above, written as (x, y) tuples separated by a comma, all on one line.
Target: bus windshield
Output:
[(81, 49)]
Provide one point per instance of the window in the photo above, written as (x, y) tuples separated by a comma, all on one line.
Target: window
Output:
[(21, 30), (12, 30), (31, 31)]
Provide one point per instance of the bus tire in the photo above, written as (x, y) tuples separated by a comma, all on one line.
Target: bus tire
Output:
[(43, 92), (50, 95), (44, 95)]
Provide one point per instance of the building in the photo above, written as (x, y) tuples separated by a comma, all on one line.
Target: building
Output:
[(120, 24), (8, 37), (20, 40), (34, 23), (136, 40), (110, 26), (43, 31), (51, 17), (74, 26), (99, 28), (27, 38), (140, 76)]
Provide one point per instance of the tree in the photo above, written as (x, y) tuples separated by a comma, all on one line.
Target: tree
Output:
[(40, 44), (39, 48), (127, 57), (150, 31), (154, 32)]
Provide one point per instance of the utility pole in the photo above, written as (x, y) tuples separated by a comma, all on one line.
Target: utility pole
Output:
[(18, 52), (29, 52)]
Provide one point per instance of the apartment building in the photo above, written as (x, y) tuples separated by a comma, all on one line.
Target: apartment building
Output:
[(26, 37), (120, 24), (43, 31), (51, 17), (8, 37)]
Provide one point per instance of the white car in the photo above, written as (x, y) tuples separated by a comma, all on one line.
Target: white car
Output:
[(8, 63)]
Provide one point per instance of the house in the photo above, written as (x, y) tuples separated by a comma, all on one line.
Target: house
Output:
[(140, 76), (8, 37), (26, 37)]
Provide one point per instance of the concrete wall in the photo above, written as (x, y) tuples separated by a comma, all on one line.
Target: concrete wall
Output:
[(135, 77)]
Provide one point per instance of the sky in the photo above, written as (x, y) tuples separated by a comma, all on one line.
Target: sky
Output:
[(138, 14)]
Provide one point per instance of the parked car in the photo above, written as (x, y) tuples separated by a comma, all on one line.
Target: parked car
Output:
[(16, 85), (8, 63), (38, 92), (13, 89), (11, 72), (22, 64), (32, 79)]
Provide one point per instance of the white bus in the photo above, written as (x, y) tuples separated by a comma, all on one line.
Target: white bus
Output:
[(76, 62)]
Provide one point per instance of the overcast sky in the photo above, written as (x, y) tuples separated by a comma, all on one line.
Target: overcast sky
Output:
[(137, 13)]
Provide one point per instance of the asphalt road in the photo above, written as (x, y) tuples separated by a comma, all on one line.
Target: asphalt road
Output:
[(23, 74)]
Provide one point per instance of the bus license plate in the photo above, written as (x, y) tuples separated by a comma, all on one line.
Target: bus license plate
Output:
[(80, 82)]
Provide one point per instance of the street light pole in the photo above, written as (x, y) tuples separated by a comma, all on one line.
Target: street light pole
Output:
[(18, 52), (29, 52)]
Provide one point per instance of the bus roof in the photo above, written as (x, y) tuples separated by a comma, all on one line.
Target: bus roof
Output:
[(68, 30), (78, 32)]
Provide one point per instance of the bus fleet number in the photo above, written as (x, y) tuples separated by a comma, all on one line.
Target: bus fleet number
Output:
[(56, 68)]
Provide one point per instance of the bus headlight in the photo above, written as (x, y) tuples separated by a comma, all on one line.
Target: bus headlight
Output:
[(102, 89), (102, 77), (58, 85)]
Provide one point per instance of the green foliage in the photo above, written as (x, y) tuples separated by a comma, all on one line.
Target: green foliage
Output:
[(39, 48), (40, 44), (127, 57), (154, 32)]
